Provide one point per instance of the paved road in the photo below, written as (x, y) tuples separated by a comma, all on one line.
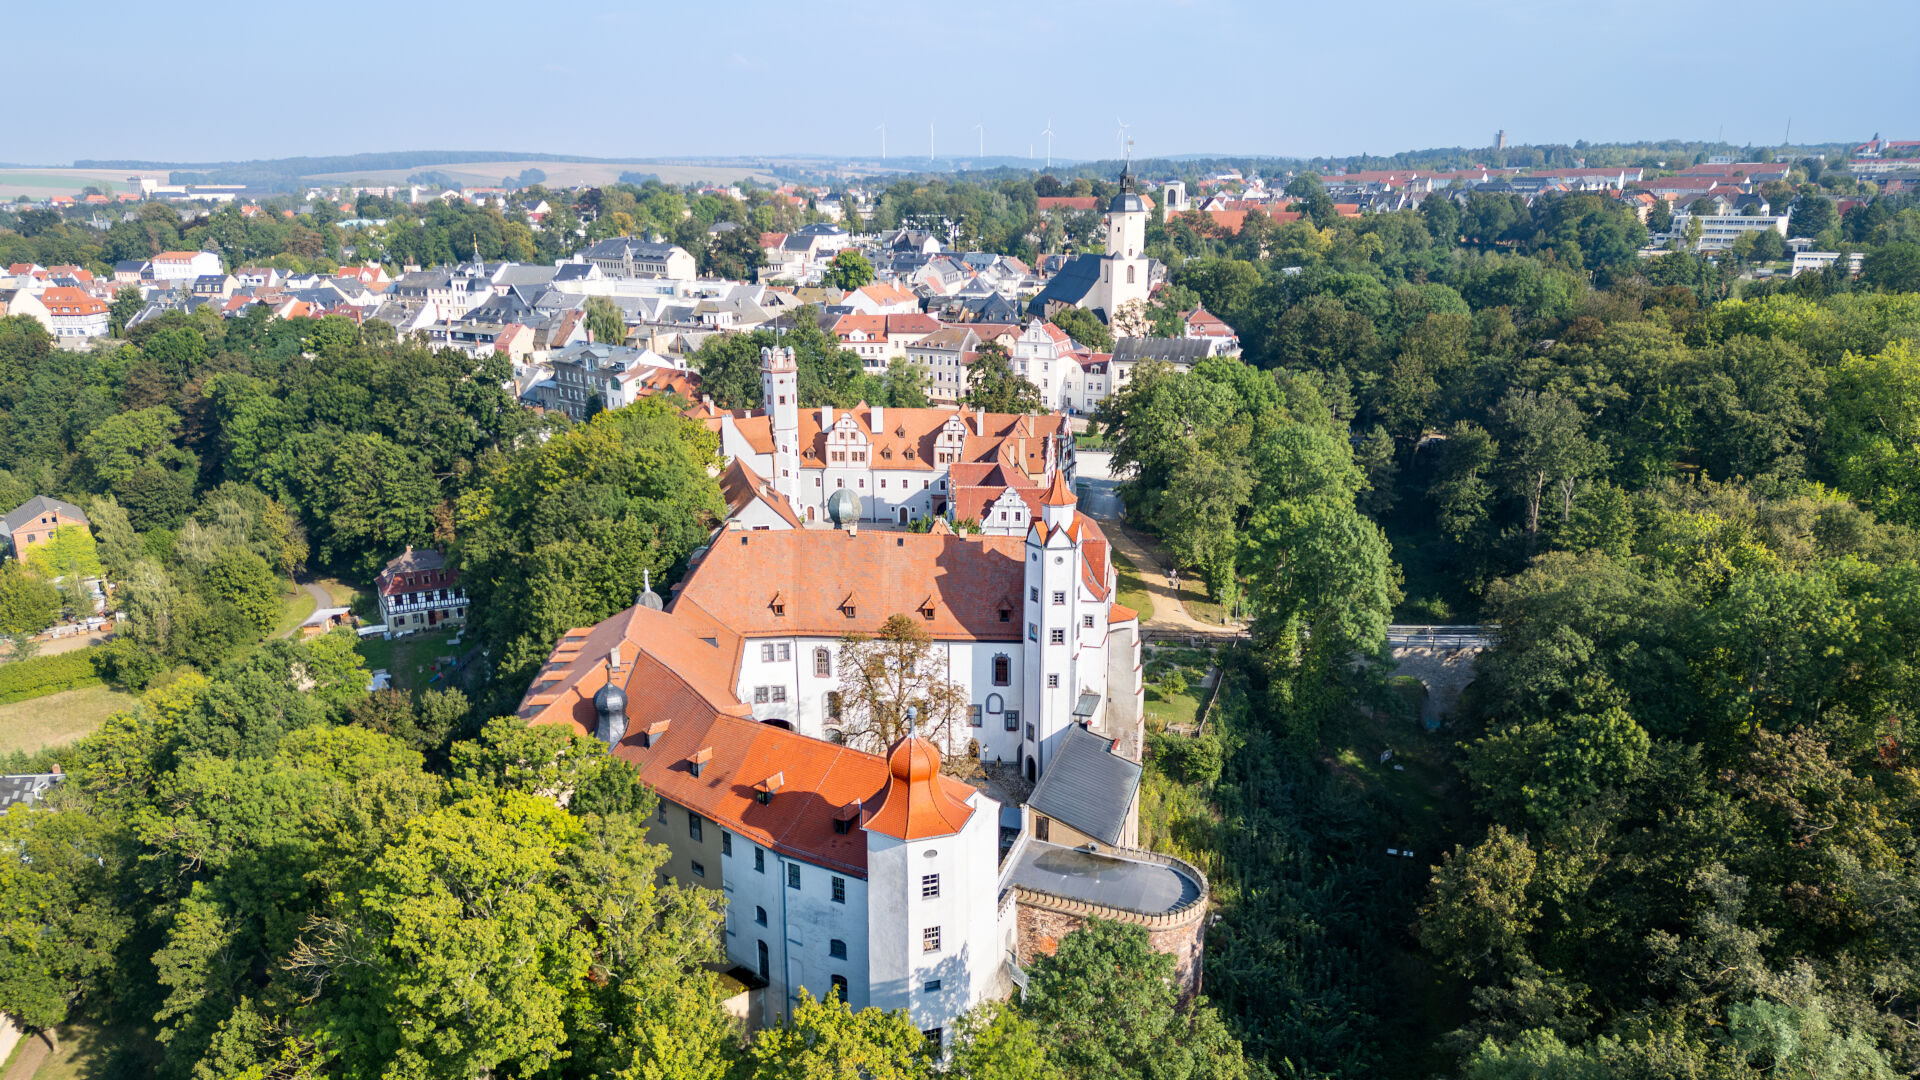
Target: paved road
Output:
[(321, 599)]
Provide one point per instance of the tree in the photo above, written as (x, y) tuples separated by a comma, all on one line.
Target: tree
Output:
[(1545, 440), (68, 552), (824, 1040), (127, 303), (729, 367), (1477, 916), (849, 270), (906, 385), (1108, 969), (994, 1041), (246, 585), (1872, 442), (893, 685), (1460, 491), (605, 321), (63, 913), (28, 604), (1893, 267), (992, 385), (1813, 215), (734, 254), (1081, 325)]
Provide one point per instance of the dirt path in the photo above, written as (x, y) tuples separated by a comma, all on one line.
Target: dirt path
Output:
[(31, 1056), (1168, 612)]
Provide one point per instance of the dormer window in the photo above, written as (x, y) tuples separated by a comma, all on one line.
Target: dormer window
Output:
[(698, 761), (765, 789)]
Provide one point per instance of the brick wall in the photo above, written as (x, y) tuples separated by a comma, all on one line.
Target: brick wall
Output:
[(1042, 926)]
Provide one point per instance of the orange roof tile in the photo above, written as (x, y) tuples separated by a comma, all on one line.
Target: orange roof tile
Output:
[(918, 803)]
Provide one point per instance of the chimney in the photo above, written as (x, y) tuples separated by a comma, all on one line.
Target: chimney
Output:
[(613, 658), (826, 418), (980, 423)]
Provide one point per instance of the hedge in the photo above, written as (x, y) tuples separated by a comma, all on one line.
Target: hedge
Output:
[(42, 675)]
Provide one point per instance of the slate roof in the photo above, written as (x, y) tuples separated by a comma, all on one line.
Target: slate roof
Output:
[(1087, 786), (1172, 350), (1070, 284), (25, 788), (38, 505)]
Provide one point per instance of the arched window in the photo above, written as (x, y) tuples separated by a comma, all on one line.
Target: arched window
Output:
[(1002, 673), (823, 662), (995, 704), (833, 706), (1129, 275)]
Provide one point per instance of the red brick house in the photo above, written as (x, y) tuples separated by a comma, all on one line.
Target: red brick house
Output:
[(33, 522)]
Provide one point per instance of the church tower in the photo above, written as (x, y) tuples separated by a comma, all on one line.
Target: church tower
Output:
[(1125, 275), (780, 392)]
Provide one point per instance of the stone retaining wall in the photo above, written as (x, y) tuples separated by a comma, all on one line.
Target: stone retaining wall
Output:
[(1043, 919)]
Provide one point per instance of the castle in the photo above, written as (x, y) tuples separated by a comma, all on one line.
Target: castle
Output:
[(878, 875)]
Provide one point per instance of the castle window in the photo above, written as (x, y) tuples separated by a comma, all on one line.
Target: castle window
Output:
[(762, 694), (839, 890), (833, 705), (726, 842), (766, 654), (785, 652), (1129, 273), (1086, 621), (766, 969), (1033, 591), (930, 939), (836, 949), (693, 825), (793, 875), (1059, 597), (1057, 636), (699, 870), (839, 985), (931, 986), (760, 860), (974, 716), (1006, 615), (822, 663), (779, 694), (934, 1040), (1002, 671), (1053, 682), (929, 886), (760, 915)]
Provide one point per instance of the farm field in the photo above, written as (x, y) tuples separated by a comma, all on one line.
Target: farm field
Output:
[(42, 183), (559, 173)]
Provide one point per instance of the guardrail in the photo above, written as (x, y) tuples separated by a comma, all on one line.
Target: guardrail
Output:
[(1464, 636)]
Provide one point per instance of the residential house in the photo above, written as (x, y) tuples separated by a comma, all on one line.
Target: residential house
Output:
[(942, 357), (76, 315), (417, 592), (184, 265), (25, 303), (33, 522)]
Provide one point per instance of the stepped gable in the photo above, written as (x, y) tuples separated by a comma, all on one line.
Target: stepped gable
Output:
[(1016, 438)]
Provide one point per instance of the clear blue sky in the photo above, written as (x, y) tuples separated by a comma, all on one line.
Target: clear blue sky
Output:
[(618, 79)]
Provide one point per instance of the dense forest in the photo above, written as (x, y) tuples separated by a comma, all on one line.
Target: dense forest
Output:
[(1669, 831)]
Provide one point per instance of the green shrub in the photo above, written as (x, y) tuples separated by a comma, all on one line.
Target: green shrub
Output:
[(1189, 760), (42, 675)]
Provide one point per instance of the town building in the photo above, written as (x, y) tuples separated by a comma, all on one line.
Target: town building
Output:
[(75, 315), (184, 265), (417, 592), (33, 522), (588, 376), (633, 257), (1719, 231)]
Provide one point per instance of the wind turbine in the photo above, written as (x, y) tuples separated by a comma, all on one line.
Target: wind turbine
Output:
[(1123, 133), (982, 129), (929, 142), (1049, 136), (882, 129)]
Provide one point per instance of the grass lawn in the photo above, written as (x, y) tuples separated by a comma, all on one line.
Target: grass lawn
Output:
[(409, 659), (57, 719), (295, 606), (1164, 708), (85, 1050), (1193, 597), (1133, 592), (341, 594)]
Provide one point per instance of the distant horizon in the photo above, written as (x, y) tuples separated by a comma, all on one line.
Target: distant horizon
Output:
[(1280, 80)]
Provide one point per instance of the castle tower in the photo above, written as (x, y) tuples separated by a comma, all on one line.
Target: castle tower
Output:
[(780, 390), (1052, 645), (932, 934)]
